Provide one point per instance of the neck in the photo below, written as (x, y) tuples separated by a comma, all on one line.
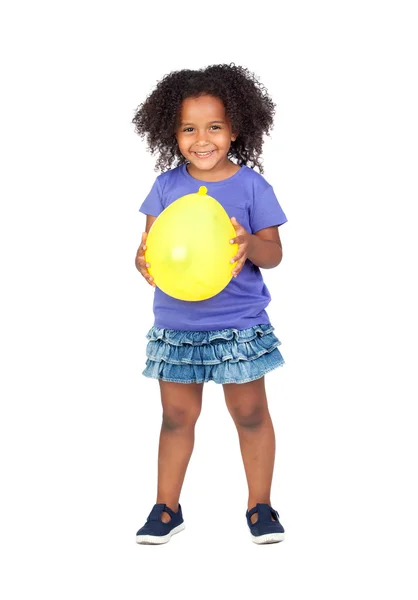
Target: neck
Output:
[(221, 172)]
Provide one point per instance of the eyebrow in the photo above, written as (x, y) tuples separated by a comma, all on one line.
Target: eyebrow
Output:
[(183, 123)]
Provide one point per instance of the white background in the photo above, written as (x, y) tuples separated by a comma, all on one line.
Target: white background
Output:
[(80, 424)]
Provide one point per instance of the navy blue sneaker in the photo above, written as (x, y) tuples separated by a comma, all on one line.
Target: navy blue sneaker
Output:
[(264, 530), (155, 531)]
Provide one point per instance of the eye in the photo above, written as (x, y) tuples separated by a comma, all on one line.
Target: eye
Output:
[(215, 127)]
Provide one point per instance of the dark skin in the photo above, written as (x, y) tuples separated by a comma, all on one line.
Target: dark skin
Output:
[(205, 127), (263, 249), (204, 135)]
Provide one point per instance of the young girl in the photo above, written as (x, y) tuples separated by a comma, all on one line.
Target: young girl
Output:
[(207, 128)]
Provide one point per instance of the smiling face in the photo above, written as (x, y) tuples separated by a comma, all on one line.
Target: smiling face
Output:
[(204, 136)]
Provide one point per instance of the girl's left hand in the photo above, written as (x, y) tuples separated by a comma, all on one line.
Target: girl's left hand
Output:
[(244, 241)]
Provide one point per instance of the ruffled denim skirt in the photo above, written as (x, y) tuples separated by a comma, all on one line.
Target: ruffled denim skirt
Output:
[(223, 356)]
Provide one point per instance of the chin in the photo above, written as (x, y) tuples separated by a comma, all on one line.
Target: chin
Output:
[(204, 165)]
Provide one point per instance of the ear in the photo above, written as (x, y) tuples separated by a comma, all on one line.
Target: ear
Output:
[(234, 137)]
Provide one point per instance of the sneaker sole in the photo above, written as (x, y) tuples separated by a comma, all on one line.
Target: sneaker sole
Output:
[(159, 539), (268, 538)]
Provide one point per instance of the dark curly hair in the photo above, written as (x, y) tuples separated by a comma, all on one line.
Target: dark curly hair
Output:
[(246, 101)]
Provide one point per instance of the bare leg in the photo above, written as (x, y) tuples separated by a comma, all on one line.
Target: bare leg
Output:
[(182, 403), (247, 404)]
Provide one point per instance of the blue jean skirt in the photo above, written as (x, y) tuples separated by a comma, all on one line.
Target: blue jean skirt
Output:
[(222, 356)]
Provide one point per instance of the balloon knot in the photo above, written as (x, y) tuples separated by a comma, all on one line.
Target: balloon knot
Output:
[(202, 190)]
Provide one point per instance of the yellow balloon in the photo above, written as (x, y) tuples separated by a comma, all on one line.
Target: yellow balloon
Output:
[(189, 249)]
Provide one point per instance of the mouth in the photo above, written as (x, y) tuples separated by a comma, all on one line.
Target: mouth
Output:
[(202, 155)]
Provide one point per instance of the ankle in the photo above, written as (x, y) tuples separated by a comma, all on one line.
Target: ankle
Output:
[(174, 506), (253, 502)]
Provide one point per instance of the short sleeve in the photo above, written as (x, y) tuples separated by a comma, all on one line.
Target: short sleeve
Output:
[(153, 205), (266, 211)]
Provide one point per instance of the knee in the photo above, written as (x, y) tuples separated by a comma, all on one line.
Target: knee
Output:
[(250, 417), (176, 418)]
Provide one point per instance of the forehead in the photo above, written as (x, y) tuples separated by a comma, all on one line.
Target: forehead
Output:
[(204, 108)]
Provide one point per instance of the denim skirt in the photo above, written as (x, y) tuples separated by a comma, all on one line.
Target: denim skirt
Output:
[(222, 356)]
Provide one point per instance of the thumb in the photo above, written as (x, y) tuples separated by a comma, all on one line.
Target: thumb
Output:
[(235, 222)]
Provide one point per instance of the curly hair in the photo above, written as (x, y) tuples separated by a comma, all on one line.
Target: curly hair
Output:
[(246, 102)]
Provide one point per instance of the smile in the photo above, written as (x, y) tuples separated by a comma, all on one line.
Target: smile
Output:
[(204, 154)]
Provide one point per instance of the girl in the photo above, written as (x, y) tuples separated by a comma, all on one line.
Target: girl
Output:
[(207, 127)]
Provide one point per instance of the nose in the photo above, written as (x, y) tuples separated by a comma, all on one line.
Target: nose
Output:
[(201, 138)]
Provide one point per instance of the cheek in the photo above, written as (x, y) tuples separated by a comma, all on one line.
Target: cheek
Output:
[(226, 140), (182, 142)]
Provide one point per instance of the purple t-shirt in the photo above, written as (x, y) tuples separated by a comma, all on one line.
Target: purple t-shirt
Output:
[(251, 199)]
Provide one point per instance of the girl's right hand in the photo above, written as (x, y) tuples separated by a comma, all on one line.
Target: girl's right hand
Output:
[(140, 262)]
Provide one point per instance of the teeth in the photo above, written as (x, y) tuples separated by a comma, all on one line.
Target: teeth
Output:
[(203, 153)]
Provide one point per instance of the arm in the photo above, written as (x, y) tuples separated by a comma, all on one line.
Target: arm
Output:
[(150, 221), (263, 249), (140, 263)]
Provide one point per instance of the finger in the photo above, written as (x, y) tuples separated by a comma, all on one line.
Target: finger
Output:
[(238, 267), (237, 240), (142, 265), (141, 261), (145, 273), (148, 277), (144, 240), (143, 245), (238, 255), (235, 223)]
